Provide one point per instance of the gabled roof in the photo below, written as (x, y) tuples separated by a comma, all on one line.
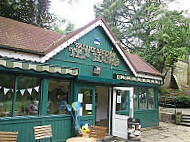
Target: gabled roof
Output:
[(24, 37), (140, 65)]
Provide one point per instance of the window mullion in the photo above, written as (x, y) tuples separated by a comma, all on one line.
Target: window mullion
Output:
[(15, 84)]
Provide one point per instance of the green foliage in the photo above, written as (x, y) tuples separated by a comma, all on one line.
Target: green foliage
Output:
[(163, 91), (159, 36), (69, 28), (182, 101), (27, 11), (35, 12)]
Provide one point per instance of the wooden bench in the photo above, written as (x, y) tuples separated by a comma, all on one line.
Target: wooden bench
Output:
[(41, 132), (8, 136), (98, 132)]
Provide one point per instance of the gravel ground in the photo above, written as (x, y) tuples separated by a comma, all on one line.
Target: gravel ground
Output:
[(166, 132)]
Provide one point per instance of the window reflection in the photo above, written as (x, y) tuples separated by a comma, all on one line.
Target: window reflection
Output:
[(87, 101), (58, 93), (151, 98), (122, 102), (143, 98), (28, 96), (6, 94)]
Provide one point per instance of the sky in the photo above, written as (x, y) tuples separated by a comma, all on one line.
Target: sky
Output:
[(82, 12), (79, 13)]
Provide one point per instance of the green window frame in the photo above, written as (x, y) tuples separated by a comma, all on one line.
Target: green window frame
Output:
[(144, 92), (19, 92)]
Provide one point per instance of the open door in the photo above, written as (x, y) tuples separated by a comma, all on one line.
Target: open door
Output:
[(122, 110)]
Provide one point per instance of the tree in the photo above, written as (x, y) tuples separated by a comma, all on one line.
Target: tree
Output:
[(35, 12), (148, 29)]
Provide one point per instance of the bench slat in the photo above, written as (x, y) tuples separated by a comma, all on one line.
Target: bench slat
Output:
[(8, 136), (41, 132)]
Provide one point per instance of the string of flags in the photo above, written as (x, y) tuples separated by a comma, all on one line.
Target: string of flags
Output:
[(22, 91)]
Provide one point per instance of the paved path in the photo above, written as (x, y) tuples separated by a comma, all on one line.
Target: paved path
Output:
[(172, 110), (166, 132)]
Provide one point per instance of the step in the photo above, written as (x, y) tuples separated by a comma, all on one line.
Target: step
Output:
[(185, 121), (185, 116), (185, 124), (188, 115)]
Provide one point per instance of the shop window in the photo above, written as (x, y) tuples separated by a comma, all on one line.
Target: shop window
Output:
[(58, 93), (6, 94), (85, 96), (28, 96), (151, 103), (135, 98), (142, 98)]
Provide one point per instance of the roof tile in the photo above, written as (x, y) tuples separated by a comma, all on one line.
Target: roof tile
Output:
[(25, 36)]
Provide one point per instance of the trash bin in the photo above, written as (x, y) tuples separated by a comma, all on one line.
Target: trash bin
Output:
[(134, 130)]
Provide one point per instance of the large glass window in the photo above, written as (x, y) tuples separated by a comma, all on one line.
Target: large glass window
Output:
[(151, 104), (28, 96), (85, 96), (6, 94), (58, 93), (142, 98)]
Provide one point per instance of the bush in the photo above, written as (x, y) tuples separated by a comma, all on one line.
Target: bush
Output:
[(182, 101)]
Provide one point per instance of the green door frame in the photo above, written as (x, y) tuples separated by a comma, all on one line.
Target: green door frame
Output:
[(79, 86)]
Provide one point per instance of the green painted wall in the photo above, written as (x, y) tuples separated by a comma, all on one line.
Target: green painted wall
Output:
[(148, 117), (86, 65), (61, 126)]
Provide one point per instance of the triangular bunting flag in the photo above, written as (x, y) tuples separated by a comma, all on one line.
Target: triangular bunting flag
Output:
[(22, 91), (30, 90), (37, 88), (6, 90)]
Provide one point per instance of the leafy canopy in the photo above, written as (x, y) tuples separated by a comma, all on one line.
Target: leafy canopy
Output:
[(147, 28), (35, 12)]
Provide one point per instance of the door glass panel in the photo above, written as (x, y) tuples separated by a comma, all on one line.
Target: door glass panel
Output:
[(122, 103), (85, 96)]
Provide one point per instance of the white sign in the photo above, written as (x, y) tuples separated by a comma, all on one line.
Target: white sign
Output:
[(80, 97), (88, 107), (118, 99)]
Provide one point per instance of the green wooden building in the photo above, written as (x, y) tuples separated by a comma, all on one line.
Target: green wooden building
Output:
[(41, 71)]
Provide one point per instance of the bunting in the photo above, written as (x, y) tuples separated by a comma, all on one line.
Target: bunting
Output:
[(22, 91), (6, 90)]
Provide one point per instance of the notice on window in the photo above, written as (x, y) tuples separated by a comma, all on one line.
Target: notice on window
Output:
[(80, 112), (80, 97), (88, 107), (118, 99)]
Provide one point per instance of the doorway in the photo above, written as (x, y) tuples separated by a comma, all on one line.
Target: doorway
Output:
[(122, 110), (102, 106)]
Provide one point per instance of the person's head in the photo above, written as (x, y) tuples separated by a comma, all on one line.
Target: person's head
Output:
[(36, 103)]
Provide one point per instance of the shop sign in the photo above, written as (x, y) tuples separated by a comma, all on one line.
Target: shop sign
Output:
[(83, 51)]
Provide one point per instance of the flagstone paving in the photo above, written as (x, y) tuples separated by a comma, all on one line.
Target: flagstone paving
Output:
[(166, 132)]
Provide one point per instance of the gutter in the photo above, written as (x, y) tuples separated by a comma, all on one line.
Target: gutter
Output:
[(22, 50)]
